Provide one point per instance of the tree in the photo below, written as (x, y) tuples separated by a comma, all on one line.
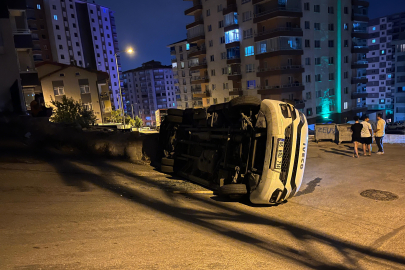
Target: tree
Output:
[(137, 122), (70, 111), (116, 116)]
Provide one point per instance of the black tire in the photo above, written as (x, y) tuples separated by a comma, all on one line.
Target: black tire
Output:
[(174, 119), (167, 161), (166, 169), (245, 101), (233, 189), (176, 112)]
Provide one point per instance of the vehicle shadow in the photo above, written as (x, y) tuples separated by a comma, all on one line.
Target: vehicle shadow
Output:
[(211, 219)]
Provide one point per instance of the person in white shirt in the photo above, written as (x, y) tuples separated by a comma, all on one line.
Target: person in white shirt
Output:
[(366, 138), (379, 134)]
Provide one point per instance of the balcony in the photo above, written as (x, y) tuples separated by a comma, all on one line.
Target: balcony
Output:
[(236, 92), (362, 94), (279, 46), (202, 95), (265, 72), (174, 60), (235, 59), (196, 89), (198, 65), (173, 52), (195, 38), (360, 3), (278, 89), (360, 33), (276, 12), (194, 9), (360, 64), (360, 17), (361, 80), (235, 76), (23, 41), (360, 49), (29, 79), (196, 23), (199, 80), (279, 31), (196, 51), (360, 109), (230, 8), (235, 43)]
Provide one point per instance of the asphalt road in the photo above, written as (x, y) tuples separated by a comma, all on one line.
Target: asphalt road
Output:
[(64, 211)]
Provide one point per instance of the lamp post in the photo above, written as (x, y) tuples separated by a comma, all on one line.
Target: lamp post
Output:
[(129, 51)]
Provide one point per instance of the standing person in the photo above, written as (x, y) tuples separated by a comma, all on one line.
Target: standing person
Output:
[(356, 136), (366, 138), (379, 134)]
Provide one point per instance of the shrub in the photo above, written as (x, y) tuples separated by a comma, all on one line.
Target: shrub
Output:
[(70, 111)]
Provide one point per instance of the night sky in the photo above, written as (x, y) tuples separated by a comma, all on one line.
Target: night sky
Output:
[(149, 26)]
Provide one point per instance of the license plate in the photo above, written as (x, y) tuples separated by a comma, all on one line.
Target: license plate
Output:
[(279, 154)]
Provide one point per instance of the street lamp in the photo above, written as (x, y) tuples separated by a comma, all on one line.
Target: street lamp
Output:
[(129, 50)]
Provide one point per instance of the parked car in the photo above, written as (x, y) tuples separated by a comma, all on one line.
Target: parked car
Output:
[(396, 126), (246, 147)]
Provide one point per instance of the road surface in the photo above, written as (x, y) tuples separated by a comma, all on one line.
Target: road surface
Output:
[(61, 210)]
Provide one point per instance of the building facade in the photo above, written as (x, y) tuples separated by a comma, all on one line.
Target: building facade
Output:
[(308, 52), (18, 76), (398, 67), (381, 66), (83, 85), (77, 32), (182, 76), (150, 87)]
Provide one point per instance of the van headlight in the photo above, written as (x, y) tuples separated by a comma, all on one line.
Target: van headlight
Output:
[(302, 117)]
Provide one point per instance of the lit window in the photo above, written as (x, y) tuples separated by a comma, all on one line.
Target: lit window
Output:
[(104, 10), (55, 17), (38, 6), (249, 51), (345, 106), (373, 41), (232, 36), (58, 91), (187, 46), (389, 76), (373, 28)]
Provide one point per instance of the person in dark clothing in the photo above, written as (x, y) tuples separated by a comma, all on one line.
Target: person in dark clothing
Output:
[(356, 136)]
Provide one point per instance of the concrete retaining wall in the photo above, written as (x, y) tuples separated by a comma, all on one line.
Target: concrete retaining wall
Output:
[(39, 132), (394, 138)]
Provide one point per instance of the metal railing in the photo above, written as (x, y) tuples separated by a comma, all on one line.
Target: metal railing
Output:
[(196, 64), (260, 69), (258, 14), (198, 78), (281, 86), (196, 49), (363, 62), (21, 31), (278, 29)]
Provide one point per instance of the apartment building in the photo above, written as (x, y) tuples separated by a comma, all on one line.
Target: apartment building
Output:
[(182, 76), (83, 85), (310, 53), (150, 87), (398, 67), (381, 68), (77, 32), (18, 76)]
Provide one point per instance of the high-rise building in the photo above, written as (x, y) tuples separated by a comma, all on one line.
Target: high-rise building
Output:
[(187, 95), (81, 33), (18, 76), (381, 68), (306, 52), (150, 88), (398, 67)]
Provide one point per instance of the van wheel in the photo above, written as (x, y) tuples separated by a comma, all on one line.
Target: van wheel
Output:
[(166, 169), (233, 190), (167, 161)]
